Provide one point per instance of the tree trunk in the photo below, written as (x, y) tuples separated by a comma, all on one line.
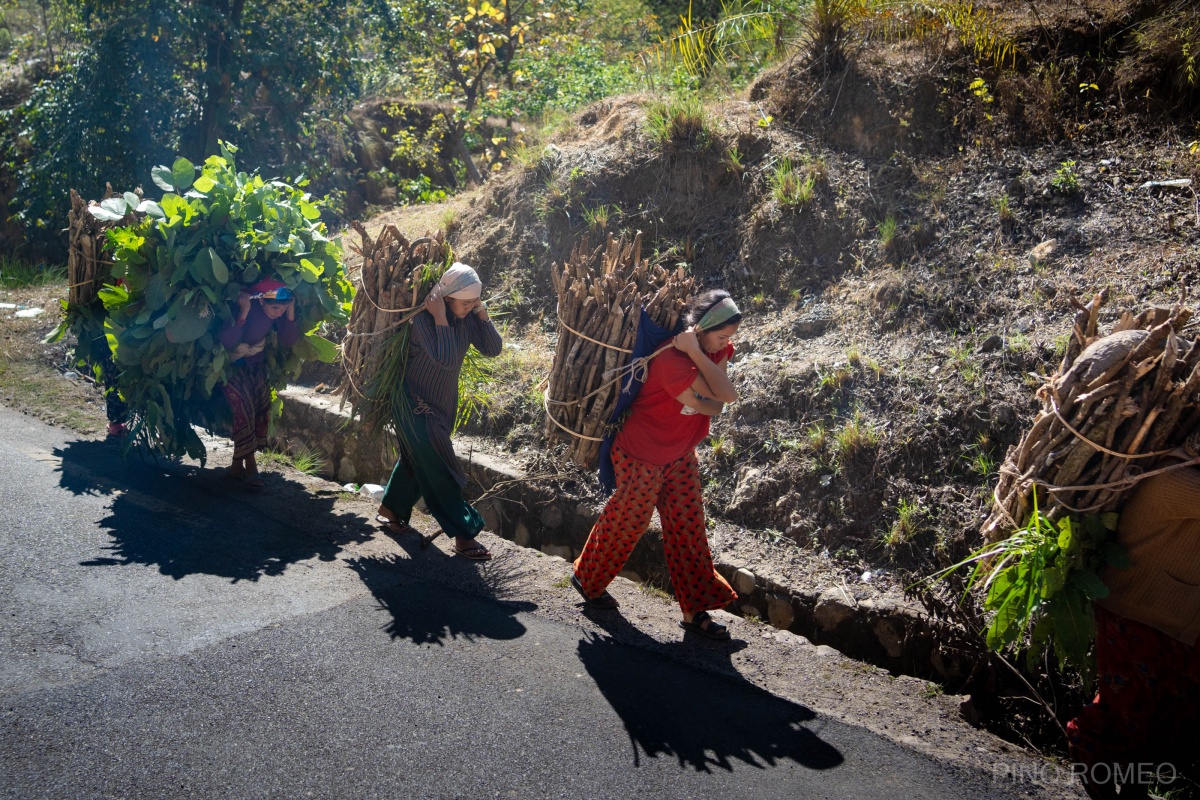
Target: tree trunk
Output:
[(460, 148), (220, 67)]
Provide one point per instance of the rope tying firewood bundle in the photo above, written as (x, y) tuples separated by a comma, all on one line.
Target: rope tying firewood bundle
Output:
[(1115, 402), (599, 295), (391, 291)]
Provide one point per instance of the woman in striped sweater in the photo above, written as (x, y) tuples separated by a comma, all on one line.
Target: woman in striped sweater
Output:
[(454, 319)]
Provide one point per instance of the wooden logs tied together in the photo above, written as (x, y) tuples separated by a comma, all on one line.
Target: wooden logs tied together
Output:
[(1116, 403), (600, 292), (87, 268), (389, 294)]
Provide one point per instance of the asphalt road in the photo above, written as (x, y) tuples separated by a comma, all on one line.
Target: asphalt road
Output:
[(162, 636)]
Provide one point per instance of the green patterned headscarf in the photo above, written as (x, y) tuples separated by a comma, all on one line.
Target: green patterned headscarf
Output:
[(716, 316)]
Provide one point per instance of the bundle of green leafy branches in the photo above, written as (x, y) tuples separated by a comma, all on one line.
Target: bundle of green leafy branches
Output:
[(177, 274)]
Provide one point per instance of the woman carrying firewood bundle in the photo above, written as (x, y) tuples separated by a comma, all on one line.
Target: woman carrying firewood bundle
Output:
[(654, 459), (454, 319)]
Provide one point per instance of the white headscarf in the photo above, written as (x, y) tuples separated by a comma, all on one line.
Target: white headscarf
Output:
[(460, 282)]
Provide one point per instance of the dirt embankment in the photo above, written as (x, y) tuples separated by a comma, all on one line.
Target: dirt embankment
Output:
[(900, 313)]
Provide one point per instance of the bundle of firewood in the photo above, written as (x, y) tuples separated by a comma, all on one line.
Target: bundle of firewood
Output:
[(1116, 403), (87, 269), (599, 295), (390, 292)]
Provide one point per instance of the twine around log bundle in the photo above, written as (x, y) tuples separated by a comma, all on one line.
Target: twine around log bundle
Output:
[(1116, 403), (600, 293)]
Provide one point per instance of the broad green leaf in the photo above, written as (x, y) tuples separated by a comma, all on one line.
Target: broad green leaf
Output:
[(1053, 579), (132, 200), (1074, 628), (1066, 536), (1109, 520), (326, 350), (310, 272), (250, 274), (309, 210), (57, 334), (163, 178), (202, 267), (173, 204), (104, 214), (1089, 583), (182, 173), (219, 270), (156, 293), (116, 205), (152, 208), (1115, 555), (190, 325), (1001, 631), (204, 184)]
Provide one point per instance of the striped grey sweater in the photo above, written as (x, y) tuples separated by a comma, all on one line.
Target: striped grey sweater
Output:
[(435, 359)]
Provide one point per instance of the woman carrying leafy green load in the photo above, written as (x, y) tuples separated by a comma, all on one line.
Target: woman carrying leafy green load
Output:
[(247, 390), (454, 319)]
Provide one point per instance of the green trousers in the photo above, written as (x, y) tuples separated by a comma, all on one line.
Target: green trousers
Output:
[(421, 473)]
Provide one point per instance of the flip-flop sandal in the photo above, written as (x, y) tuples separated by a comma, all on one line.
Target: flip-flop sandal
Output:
[(714, 630), (255, 483), (605, 602), (476, 553), (395, 525)]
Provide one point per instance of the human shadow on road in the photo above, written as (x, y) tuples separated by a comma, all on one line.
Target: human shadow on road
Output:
[(705, 721), (430, 613), (186, 520)]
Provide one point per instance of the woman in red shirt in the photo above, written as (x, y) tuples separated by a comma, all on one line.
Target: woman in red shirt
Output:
[(654, 457)]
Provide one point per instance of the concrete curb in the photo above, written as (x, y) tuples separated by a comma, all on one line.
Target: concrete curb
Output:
[(886, 631)]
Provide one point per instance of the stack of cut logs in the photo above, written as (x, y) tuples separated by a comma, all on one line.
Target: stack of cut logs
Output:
[(87, 270), (1115, 404), (599, 294), (389, 294)]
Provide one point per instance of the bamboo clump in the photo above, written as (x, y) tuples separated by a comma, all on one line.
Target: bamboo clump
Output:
[(599, 295), (87, 270), (390, 293), (1115, 403)]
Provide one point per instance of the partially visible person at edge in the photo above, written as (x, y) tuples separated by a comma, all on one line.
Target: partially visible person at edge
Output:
[(1145, 712), (268, 305), (454, 319), (654, 459)]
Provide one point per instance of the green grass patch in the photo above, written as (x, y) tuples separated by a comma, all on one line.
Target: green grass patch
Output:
[(18, 274)]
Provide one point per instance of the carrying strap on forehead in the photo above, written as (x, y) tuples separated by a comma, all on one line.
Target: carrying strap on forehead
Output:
[(718, 314)]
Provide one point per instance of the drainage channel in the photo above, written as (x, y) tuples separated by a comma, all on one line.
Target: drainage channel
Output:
[(889, 632)]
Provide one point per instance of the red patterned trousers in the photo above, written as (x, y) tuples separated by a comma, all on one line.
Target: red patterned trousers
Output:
[(675, 491), (1147, 703)]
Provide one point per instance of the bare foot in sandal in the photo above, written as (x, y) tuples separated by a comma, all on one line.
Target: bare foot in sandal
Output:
[(471, 548), (706, 626), (385, 517)]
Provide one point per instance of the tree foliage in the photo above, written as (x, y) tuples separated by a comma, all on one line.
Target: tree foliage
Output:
[(155, 77)]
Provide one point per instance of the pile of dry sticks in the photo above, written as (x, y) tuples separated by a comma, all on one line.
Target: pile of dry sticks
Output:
[(390, 293), (87, 271), (599, 295), (1116, 403)]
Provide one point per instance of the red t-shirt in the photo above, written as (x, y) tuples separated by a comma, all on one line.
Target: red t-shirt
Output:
[(657, 432)]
